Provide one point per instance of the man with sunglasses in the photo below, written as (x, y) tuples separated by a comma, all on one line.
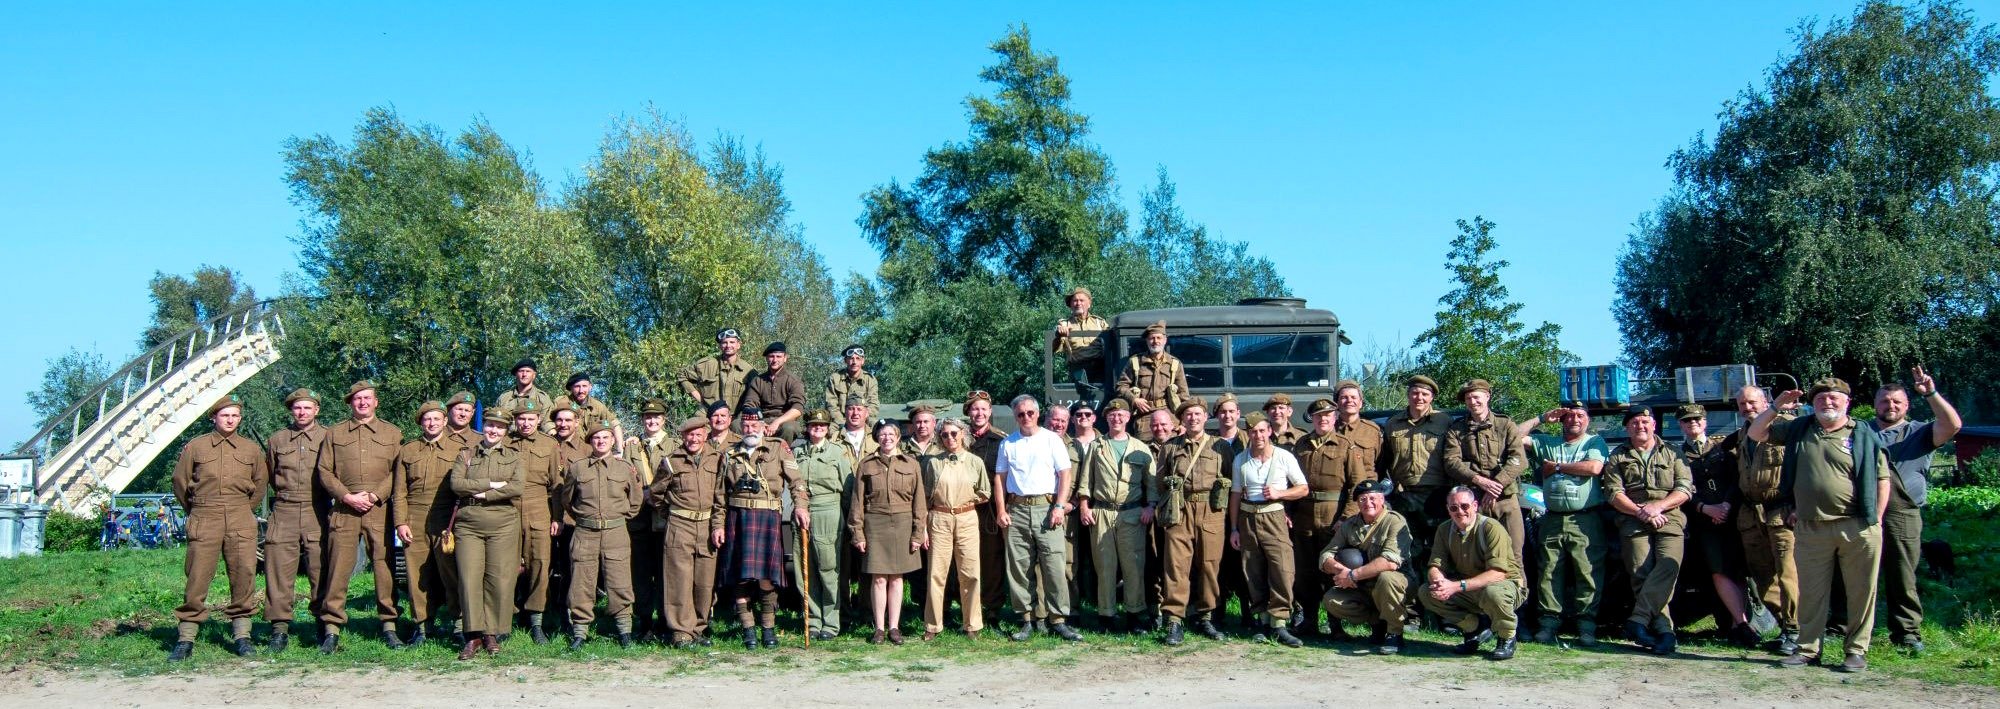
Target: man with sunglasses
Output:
[(1474, 579), (1034, 471)]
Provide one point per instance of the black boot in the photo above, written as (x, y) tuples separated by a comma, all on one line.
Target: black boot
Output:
[(1207, 629), (1640, 635), (749, 638), (1285, 637), (418, 638), (624, 641), (1474, 639), (1111, 624), (770, 636), (536, 633), (1062, 630), (1503, 651), (1175, 634), (180, 651), (1390, 645), (244, 648), (575, 642), (1026, 631), (1139, 623), (1377, 633), (328, 642), (279, 641)]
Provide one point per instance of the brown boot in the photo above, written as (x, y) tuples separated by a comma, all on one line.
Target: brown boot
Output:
[(472, 647), (492, 644)]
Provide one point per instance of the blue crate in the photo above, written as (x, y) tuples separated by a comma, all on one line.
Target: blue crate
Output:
[(1599, 386)]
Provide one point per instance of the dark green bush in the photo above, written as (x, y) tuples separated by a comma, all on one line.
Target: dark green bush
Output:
[(66, 532)]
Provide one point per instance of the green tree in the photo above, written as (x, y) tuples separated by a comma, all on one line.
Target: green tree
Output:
[(183, 302), (67, 379), (1842, 219), (1478, 335), (1174, 262)]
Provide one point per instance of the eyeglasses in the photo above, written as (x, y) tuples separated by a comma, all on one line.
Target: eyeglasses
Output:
[(1461, 506), (1085, 415), (953, 433)]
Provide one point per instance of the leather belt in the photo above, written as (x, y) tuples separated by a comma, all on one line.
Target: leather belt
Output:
[(695, 515), (1592, 508), (588, 523), (753, 504), (1030, 500), (1263, 507), (961, 509)]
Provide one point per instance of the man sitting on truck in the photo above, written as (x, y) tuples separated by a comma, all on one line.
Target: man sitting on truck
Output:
[(1083, 354)]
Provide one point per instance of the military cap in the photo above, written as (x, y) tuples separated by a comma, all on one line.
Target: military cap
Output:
[(360, 386), (299, 395), (1277, 399), (856, 400), (1228, 397), (1082, 406), (693, 423), (1074, 292), (920, 409), (462, 397), (718, 406), (1193, 402), (777, 346), (653, 407), (1419, 380), (1829, 384), (1117, 404), (601, 426), (427, 407), (852, 351), (1636, 412), (1383, 486), (495, 415), (750, 412), (574, 378), (525, 406), (1692, 411), (819, 416), (1474, 385), (565, 405), (1255, 417), (1159, 327), (525, 363), (1319, 406), (224, 403), (1346, 384)]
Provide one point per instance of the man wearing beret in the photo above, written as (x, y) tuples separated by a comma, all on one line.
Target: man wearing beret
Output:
[(297, 518), (648, 528), (1340, 453), (541, 460), (718, 378), (1080, 341), (1909, 446), (571, 446), (356, 461), (1483, 451), (687, 489), (1572, 541), (525, 390), (219, 479), (1193, 489), (420, 508), (778, 393), (598, 496), (1836, 480), (721, 427), (1711, 514), (590, 410), (1646, 482), (458, 414), (853, 381), (1153, 379), (1413, 458), (1376, 590)]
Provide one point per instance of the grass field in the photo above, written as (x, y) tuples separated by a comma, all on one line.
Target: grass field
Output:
[(112, 611)]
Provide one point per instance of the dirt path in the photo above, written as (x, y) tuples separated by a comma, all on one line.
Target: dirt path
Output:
[(1230, 676)]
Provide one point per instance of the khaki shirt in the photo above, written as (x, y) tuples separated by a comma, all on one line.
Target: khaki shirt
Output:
[(1081, 349), (217, 471), (1117, 484), (571, 449), (422, 487), (1485, 449), (775, 394), (467, 437), (1824, 490), (1413, 449), (855, 453), (477, 468), (690, 483), (888, 484), (920, 451), (1200, 461), (955, 480), (710, 380), (1334, 463), (1759, 466), (771, 461), (1388, 538), (1159, 381), (828, 468), (1288, 439), (646, 453), (512, 397), (294, 463), (356, 458), (592, 411), (541, 473), (1648, 476), (599, 488), (1485, 546), (839, 386)]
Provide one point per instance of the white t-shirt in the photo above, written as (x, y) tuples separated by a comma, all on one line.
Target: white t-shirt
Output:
[(1281, 472), (1030, 463)]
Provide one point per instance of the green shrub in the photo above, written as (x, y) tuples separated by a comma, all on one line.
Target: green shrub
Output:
[(1984, 471), (67, 532)]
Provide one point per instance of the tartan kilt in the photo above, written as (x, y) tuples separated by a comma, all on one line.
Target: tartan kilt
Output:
[(754, 547)]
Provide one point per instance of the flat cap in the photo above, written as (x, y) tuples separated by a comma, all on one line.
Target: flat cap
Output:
[(1692, 411), (1193, 402), (1419, 380), (301, 394), (692, 423), (1829, 384), (1474, 385)]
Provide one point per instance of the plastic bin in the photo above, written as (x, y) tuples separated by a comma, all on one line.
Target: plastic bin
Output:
[(10, 529), (34, 526)]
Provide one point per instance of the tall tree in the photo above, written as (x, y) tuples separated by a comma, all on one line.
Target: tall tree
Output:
[(66, 380), (182, 302), (1478, 334), (1842, 220)]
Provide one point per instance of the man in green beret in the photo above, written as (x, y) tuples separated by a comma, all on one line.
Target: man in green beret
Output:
[(219, 479), (599, 494), (356, 467), (459, 411), (297, 518)]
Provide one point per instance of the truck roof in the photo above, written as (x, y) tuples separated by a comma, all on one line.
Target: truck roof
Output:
[(1253, 312)]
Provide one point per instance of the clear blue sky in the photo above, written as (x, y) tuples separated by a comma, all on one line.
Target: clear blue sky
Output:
[(1340, 141)]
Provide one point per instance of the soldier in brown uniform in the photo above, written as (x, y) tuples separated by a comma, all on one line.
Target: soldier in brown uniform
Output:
[(1339, 454), (687, 490), (648, 528), (525, 390), (487, 481), (355, 468), (1081, 344), (219, 479), (721, 431), (541, 462), (1278, 409), (297, 518), (984, 440), (851, 381), (755, 474), (1474, 582), (1483, 451), (1154, 379), (718, 378), (1765, 522), (1192, 486), (778, 393), (599, 494), (590, 410), (1370, 586), (459, 426), (1413, 458), (1646, 481), (571, 446), (888, 506), (1227, 415), (420, 508)]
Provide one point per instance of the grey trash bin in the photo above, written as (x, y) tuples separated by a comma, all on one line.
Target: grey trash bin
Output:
[(34, 524), (10, 529)]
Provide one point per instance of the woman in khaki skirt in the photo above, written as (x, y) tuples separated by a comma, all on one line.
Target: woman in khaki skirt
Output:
[(887, 517)]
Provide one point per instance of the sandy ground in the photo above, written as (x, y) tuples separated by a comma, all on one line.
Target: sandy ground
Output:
[(1228, 676)]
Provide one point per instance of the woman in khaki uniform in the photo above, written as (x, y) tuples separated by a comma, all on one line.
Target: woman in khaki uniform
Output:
[(957, 484), (487, 482), (889, 509)]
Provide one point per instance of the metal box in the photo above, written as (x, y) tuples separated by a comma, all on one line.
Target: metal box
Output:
[(1716, 383), (1599, 386)]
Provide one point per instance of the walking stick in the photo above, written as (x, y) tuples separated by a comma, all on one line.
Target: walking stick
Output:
[(805, 583)]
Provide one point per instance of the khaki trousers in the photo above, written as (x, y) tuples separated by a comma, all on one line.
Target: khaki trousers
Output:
[(954, 551), (1380, 599), (1191, 561), (1497, 602), (1768, 554), (345, 531), (1654, 561), (595, 553), (433, 582), (291, 535), (1854, 551), (829, 566), (1267, 564), (1118, 550), (1035, 563), (688, 572), (489, 562), (229, 535)]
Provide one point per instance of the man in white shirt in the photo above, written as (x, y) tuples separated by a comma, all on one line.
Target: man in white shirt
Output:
[(1033, 468), (1266, 476)]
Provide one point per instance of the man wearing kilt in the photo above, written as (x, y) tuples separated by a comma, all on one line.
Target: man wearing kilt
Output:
[(754, 472)]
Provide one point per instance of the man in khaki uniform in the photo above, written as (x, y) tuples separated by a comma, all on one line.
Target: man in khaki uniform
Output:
[(355, 468), (721, 427), (1266, 476), (1474, 583), (1080, 341), (1375, 591), (853, 381), (1483, 451), (599, 494), (718, 378), (853, 437), (590, 410), (828, 468), (541, 460), (459, 411), (571, 446), (1278, 409), (1339, 454), (687, 489), (778, 393), (1413, 458), (984, 441), (219, 479), (420, 508), (649, 527), (923, 441), (297, 518), (957, 484), (1192, 485), (1112, 484), (524, 390), (1647, 481), (1154, 379), (1836, 475), (1765, 522)]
